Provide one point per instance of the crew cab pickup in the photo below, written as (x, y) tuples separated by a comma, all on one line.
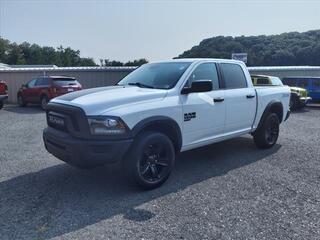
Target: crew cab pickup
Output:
[(162, 109), (3, 93)]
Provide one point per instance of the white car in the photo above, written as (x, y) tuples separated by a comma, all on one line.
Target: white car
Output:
[(162, 109)]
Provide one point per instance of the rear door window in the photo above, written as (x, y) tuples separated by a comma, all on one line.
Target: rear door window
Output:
[(64, 82), (233, 76), (42, 81)]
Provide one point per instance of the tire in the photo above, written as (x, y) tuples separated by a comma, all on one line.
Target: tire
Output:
[(1, 104), (150, 160), (267, 135), (43, 102), (21, 101)]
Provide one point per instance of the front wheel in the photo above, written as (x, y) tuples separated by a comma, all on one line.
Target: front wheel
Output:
[(267, 135), (150, 160), (1, 104)]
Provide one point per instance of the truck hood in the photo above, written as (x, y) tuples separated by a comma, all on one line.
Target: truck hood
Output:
[(96, 101)]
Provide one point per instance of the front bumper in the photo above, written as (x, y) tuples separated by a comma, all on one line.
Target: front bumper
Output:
[(84, 153), (305, 100)]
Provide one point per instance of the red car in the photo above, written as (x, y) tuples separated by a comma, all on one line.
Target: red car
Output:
[(3, 93), (42, 89)]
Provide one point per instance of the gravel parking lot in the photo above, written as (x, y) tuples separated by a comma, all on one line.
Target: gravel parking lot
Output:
[(229, 190)]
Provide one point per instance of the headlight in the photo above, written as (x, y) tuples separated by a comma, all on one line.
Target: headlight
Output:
[(106, 126)]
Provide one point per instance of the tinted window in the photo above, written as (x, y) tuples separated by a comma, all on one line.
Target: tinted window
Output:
[(205, 71), (233, 76), (32, 83), (64, 82), (42, 82), (157, 75), (316, 83)]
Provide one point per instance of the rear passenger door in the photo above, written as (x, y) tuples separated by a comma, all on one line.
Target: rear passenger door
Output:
[(240, 99)]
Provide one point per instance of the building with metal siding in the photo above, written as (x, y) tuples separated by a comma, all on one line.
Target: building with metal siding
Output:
[(287, 71), (89, 77)]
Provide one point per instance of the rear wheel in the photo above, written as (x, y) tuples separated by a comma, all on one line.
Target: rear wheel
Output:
[(150, 160), (21, 101), (44, 102), (267, 135)]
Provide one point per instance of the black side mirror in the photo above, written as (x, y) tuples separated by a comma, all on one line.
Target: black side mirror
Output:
[(24, 86), (198, 86)]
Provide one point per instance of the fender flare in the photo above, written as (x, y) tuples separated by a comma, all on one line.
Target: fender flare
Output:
[(167, 122), (268, 109)]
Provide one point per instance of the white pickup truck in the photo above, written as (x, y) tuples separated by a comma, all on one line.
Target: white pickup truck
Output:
[(160, 110)]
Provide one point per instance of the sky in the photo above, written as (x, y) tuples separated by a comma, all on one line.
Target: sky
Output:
[(156, 29)]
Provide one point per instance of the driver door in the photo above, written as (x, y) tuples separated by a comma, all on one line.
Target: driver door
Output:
[(204, 113)]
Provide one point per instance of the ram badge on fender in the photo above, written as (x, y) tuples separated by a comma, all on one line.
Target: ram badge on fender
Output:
[(160, 110)]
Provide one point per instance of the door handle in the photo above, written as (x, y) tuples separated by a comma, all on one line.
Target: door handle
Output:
[(218, 99), (250, 96)]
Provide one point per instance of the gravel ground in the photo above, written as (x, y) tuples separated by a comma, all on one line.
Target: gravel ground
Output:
[(229, 190)]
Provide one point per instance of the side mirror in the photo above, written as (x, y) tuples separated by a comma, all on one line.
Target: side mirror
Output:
[(198, 86), (24, 86)]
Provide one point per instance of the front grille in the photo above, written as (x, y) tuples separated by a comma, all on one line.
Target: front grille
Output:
[(75, 120)]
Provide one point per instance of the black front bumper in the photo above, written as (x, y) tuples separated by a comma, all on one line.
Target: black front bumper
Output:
[(84, 152)]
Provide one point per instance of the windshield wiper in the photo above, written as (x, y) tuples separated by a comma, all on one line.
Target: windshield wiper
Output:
[(138, 84)]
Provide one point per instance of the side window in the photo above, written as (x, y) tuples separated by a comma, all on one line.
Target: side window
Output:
[(205, 71), (32, 83), (42, 82), (233, 76), (39, 82)]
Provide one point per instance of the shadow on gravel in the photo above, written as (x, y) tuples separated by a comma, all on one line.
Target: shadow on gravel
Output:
[(32, 109), (61, 199)]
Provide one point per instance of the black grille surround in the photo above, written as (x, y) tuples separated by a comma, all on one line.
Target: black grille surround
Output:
[(76, 123), (75, 119)]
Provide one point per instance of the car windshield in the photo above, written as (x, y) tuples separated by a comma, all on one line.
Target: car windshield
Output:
[(156, 75), (62, 82)]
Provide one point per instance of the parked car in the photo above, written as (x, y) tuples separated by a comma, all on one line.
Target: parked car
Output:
[(160, 110), (299, 96), (43, 89), (3, 93), (311, 84)]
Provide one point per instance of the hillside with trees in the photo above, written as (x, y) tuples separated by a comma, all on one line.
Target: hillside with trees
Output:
[(285, 49), (32, 54)]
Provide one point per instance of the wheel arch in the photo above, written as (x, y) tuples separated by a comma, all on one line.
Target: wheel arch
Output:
[(165, 125), (273, 107)]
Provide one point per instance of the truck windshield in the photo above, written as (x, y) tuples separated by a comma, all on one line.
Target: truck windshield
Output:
[(156, 75)]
